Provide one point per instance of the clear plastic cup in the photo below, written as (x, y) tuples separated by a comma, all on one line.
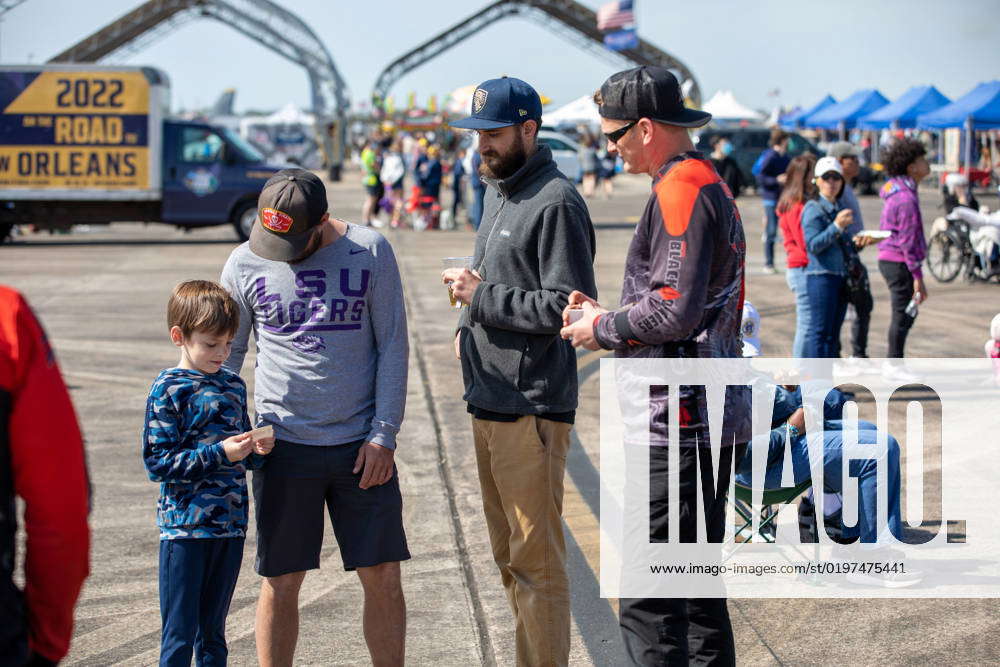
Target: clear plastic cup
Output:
[(456, 263)]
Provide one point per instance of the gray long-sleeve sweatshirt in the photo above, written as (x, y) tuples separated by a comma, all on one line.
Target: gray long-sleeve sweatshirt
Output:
[(331, 339)]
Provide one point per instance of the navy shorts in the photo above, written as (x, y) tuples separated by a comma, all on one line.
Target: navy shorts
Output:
[(290, 493)]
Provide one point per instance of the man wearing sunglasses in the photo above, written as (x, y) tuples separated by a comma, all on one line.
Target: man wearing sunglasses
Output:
[(682, 296)]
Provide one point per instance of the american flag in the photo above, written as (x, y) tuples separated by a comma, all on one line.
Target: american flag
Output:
[(615, 15)]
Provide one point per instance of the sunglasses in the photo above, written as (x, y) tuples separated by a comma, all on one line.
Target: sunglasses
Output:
[(616, 136), (832, 176)]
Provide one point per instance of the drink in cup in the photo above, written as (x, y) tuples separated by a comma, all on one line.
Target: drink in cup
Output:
[(456, 263)]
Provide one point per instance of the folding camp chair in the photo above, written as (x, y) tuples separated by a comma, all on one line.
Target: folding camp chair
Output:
[(772, 501)]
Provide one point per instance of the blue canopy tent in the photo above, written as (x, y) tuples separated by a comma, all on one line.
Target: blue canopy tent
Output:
[(979, 109), (904, 111), (845, 115), (793, 120)]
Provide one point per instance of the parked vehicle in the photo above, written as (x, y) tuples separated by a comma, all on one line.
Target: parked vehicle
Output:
[(749, 143), (565, 152), (92, 144)]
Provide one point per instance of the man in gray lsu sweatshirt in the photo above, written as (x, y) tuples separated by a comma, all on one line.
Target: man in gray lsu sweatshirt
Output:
[(325, 303), (535, 245)]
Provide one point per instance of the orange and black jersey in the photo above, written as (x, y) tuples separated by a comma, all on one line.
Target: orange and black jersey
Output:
[(683, 289), (42, 461)]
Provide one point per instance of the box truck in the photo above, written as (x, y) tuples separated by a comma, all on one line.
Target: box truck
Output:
[(94, 144)]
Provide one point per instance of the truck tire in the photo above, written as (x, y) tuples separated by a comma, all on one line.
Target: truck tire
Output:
[(6, 229), (243, 221)]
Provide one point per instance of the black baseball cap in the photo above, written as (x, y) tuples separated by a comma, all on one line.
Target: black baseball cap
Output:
[(648, 92), (501, 103), (291, 204)]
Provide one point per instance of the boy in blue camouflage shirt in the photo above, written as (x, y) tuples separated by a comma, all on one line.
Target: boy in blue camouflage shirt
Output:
[(196, 442)]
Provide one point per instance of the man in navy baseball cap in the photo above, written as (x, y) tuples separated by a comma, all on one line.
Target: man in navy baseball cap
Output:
[(534, 247), (499, 104)]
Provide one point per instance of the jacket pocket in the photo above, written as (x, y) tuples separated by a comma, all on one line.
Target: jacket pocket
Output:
[(496, 357), (542, 363)]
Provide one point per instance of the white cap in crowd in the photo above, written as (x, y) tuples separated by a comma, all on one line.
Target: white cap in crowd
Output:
[(825, 165)]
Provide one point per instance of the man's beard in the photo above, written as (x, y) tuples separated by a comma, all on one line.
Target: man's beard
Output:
[(498, 166)]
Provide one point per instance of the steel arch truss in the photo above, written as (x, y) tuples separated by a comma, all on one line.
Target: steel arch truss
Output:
[(265, 22), (566, 17)]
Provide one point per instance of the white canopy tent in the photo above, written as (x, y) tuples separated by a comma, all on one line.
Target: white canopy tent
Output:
[(725, 107), (289, 115), (285, 135), (580, 111)]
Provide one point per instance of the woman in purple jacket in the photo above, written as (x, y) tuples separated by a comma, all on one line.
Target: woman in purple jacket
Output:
[(900, 255)]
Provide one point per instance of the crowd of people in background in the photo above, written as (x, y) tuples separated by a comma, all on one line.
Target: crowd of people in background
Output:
[(392, 163), (813, 204), (404, 171)]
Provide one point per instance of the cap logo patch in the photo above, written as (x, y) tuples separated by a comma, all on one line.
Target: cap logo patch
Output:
[(522, 112), (478, 100), (275, 220)]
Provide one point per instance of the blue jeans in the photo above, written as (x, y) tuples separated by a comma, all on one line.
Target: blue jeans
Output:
[(865, 470), (796, 279), (197, 579), (770, 232), (476, 206), (827, 308)]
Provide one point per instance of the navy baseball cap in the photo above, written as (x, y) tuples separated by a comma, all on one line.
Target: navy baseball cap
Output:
[(501, 103)]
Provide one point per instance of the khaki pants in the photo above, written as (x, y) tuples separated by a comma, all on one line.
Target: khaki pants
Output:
[(521, 466)]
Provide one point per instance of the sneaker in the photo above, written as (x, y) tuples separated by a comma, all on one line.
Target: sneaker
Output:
[(378, 222), (769, 270), (897, 373)]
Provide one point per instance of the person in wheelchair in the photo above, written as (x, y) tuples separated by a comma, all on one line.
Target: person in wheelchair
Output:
[(983, 226), (957, 193)]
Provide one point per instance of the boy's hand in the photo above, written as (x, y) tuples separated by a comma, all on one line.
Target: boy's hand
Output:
[(237, 447), (263, 446)]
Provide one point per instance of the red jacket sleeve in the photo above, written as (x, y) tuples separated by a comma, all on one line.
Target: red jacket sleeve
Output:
[(50, 475)]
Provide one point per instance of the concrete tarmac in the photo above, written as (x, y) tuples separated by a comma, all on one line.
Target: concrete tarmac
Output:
[(102, 297)]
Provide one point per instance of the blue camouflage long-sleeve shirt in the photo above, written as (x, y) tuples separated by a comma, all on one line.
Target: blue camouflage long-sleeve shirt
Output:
[(188, 415)]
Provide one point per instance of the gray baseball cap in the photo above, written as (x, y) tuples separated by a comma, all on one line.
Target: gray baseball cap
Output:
[(291, 204), (841, 149)]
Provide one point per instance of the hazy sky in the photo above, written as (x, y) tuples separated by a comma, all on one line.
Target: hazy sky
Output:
[(805, 48)]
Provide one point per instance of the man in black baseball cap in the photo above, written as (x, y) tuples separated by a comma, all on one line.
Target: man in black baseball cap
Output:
[(648, 92), (324, 302), (290, 209), (682, 297), (535, 245)]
